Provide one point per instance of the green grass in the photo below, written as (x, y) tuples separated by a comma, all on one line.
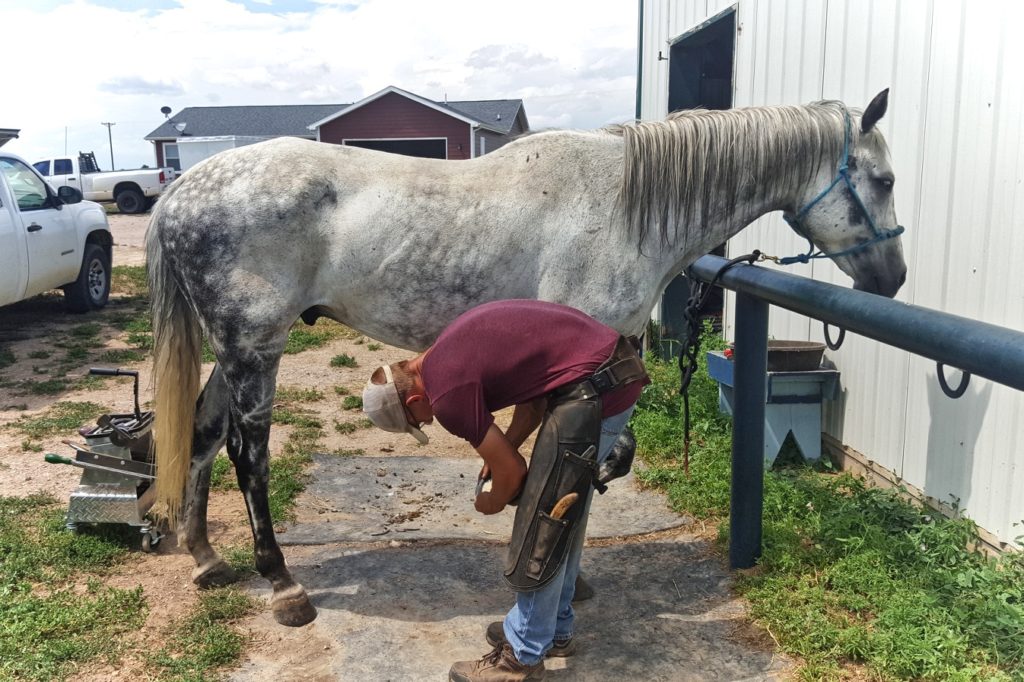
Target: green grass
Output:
[(206, 640), (374, 346), (222, 475), (344, 360), (129, 280), (296, 394), (39, 354), (121, 356), (50, 626), (7, 357), (303, 337), (850, 576), (61, 418), (85, 331), (341, 390), (352, 402), (295, 416), (45, 387)]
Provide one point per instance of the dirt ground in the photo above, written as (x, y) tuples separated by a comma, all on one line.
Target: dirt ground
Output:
[(31, 328)]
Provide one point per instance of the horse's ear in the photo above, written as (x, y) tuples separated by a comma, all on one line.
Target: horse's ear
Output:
[(875, 111)]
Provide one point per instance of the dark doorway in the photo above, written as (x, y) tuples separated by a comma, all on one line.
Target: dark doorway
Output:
[(699, 75), (427, 149), (700, 65)]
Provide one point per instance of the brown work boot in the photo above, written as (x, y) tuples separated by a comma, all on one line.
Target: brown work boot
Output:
[(500, 665), (496, 637)]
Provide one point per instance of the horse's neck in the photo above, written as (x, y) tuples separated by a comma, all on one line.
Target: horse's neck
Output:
[(757, 194)]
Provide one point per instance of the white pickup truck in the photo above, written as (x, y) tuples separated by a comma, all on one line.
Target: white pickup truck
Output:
[(134, 191), (49, 239)]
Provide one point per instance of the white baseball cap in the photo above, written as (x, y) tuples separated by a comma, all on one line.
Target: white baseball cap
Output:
[(383, 405)]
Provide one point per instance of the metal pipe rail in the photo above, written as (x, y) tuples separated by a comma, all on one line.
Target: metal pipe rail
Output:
[(983, 349)]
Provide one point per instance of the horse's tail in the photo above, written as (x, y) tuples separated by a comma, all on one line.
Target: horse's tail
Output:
[(177, 353)]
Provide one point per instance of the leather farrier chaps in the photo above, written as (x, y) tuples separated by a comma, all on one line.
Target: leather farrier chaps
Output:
[(564, 461)]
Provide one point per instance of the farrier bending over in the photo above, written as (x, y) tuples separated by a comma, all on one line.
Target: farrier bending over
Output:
[(558, 366)]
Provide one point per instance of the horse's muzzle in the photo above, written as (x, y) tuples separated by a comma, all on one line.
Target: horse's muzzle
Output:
[(884, 284)]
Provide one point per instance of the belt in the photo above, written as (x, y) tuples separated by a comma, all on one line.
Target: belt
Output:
[(622, 367)]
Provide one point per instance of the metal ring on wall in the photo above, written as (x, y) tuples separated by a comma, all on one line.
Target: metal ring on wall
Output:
[(828, 339), (959, 390)]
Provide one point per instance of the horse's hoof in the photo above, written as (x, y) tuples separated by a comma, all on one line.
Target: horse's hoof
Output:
[(214, 574), (292, 607)]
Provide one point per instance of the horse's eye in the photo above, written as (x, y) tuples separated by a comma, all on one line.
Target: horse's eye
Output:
[(885, 183)]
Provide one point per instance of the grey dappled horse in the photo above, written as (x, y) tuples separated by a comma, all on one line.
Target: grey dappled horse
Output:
[(252, 239)]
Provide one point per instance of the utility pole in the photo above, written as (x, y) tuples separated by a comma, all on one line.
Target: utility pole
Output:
[(111, 139)]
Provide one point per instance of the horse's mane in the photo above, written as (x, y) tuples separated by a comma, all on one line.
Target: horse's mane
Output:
[(680, 169)]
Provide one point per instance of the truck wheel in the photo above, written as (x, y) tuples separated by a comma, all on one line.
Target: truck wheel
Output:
[(130, 201), (92, 288)]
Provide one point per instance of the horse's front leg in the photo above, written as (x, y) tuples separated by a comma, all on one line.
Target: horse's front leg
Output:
[(210, 434), (248, 447)]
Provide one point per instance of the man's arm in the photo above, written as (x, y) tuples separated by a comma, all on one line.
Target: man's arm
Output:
[(508, 471), (525, 419)]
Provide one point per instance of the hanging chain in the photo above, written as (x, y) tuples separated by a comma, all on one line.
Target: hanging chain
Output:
[(699, 293)]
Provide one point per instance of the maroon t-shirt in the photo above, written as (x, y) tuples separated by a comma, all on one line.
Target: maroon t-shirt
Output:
[(510, 352)]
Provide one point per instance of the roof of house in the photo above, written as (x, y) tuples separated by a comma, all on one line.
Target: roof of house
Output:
[(257, 121), (499, 114), (301, 120)]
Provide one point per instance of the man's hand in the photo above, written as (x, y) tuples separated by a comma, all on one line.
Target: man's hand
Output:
[(507, 468)]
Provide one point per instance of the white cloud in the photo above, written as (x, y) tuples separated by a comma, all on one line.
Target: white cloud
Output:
[(80, 63)]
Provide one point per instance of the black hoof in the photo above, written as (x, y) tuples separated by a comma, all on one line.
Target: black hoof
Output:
[(292, 607), (216, 574)]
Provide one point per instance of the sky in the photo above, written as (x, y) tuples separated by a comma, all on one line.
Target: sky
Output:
[(73, 64)]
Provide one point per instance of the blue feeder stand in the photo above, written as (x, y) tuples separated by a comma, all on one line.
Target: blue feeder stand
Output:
[(793, 395)]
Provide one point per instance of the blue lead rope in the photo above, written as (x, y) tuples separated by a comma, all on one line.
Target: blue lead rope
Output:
[(842, 173)]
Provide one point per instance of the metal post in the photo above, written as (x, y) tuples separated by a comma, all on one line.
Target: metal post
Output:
[(749, 378), (110, 138)]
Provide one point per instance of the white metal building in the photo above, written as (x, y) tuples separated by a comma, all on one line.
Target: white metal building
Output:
[(955, 128)]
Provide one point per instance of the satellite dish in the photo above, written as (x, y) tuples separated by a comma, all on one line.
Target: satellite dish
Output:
[(166, 111)]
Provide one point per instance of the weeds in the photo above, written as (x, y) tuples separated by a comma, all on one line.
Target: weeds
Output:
[(343, 360), (352, 402), (60, 418), (121, 356), (130, 280), (295, 394), (205, 640), (302, 337), (7, 357)]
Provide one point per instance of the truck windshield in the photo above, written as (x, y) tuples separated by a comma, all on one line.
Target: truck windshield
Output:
[(29, 190)]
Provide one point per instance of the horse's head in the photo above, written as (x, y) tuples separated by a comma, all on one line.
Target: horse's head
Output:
[(847, 210)]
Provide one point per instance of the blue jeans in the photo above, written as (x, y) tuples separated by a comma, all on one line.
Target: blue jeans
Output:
[(541, 617)]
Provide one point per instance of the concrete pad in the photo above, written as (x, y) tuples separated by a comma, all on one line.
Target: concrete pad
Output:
[(406, 577), (367, 499), (663, 611)]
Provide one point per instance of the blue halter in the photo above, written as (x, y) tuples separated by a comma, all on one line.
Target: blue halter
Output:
[(842, 174)]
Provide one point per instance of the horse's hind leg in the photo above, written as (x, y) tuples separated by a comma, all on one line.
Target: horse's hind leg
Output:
[(209, 435), (251, 385)]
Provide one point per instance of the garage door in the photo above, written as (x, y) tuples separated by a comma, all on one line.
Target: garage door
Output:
[(427, 148)]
